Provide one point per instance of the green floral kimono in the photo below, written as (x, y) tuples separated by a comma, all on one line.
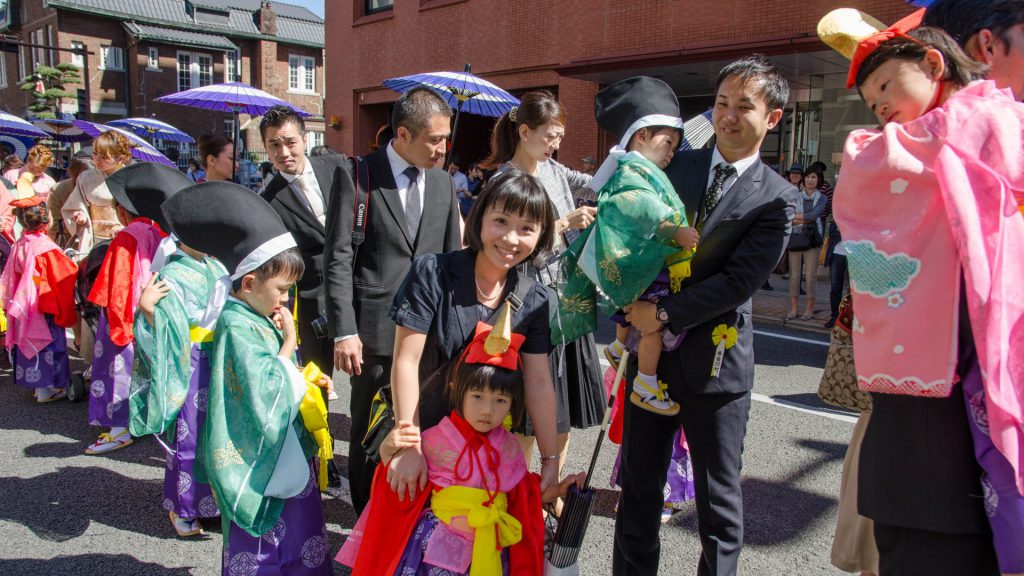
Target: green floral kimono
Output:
[(621, 254), (254, 448), (163, 351)]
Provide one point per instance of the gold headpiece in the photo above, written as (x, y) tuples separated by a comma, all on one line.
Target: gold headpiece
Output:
[(512, 113), (843, 29), (500, 338)]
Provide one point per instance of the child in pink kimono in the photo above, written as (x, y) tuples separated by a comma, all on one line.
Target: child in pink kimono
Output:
[(948, 237), (37, 290), (481, 512)]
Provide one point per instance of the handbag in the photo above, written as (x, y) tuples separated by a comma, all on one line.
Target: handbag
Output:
[(433, 405), (838, 385)]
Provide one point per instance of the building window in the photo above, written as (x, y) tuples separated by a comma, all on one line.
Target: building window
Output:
[(232, 66), (78, 59), (378, 5), (111, 58), (313, 139), (301, 74), (3, 70), (52, 54), (194, 70), (153, 63), (229, 129)]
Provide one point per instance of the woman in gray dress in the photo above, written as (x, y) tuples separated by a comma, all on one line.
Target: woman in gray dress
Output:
[(525, 139)]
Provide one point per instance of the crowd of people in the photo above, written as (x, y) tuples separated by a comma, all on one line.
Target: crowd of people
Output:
[(463, 307)]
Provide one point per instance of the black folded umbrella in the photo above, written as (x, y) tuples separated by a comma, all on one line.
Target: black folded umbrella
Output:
[(579, 503)]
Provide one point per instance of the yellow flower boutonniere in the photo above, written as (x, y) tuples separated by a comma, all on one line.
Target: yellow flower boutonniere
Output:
[(723, 337)]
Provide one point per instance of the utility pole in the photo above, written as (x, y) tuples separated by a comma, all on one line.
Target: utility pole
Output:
[(12, 44)]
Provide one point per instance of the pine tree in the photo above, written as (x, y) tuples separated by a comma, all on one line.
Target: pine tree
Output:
[(46, 83)]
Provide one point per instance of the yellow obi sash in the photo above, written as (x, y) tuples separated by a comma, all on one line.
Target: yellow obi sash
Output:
[(200, 335), (494, 528), (678, 265), (314, 417)]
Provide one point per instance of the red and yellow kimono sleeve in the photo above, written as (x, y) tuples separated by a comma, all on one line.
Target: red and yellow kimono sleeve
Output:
[(113, 288), (56, 275)]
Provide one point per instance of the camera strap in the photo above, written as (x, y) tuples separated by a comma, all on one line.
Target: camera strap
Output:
[(361, 205)]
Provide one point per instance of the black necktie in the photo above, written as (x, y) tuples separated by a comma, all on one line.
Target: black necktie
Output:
[(722, 173), (413, 206)]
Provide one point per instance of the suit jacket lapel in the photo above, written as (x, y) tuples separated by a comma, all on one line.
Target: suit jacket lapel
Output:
[(287, 195), (380, 172), (744, 186)]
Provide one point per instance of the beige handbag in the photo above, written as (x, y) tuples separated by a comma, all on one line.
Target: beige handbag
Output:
[(839, 382)]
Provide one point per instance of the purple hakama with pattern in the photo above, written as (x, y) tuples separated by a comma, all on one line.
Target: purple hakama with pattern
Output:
[(110, 380), (49, 368), (297, 545), (183, 493)]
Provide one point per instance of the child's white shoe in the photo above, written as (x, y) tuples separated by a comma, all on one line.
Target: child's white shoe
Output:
[(613, 352), (44, 395), (651, 394)]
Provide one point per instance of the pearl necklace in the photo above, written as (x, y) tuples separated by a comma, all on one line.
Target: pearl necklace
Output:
[(487, 296)]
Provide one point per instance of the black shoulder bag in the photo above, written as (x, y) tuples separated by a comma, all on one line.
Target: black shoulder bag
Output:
[(433, 392)]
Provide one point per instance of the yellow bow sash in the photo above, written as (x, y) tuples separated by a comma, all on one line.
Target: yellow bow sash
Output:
[(494, 528), (678, 269), (314, 417), (199, 335)]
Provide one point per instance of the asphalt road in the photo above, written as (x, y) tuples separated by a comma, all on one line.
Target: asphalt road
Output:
[(62, 512)]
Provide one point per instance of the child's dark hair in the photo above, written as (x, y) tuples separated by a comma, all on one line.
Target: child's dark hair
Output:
[(961, 69), (463, 377), (651, 132), (287, 263), (34, 217), (515, 192), (535, 109)]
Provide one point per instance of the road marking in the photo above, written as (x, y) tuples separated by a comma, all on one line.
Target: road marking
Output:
[(826, 412), (805, 408), (793, 338)]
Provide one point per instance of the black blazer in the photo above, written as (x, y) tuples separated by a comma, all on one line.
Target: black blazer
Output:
[(741, 243), (359, 296), (298, 218)]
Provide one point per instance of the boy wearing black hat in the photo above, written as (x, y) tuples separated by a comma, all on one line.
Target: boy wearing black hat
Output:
[(640, 246), (138, 191), (258, 440)]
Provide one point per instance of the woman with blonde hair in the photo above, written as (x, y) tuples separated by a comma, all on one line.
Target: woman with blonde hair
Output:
[(89, 211), (37, 160)]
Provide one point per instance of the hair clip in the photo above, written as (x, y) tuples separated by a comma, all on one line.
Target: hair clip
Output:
[(512, 114)]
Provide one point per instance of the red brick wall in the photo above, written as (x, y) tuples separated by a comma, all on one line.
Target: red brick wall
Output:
[(518, 44)]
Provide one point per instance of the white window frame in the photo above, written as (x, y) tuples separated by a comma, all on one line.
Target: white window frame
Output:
[(153, 59), (304, 69), (229, 129), (52, 54), (195, 76), (112, 58), (3, 70), (232, 66), (78, 59), (313, 139)]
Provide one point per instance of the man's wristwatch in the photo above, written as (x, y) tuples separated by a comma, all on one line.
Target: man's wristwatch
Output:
[(662, 315)]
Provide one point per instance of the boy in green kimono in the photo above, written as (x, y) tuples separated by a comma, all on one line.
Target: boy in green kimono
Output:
[(256, 449), (171, 376), (640, 245)]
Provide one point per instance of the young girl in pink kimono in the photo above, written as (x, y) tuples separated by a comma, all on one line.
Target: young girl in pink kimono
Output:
[(37, 291), (947, 238), (481, 511)]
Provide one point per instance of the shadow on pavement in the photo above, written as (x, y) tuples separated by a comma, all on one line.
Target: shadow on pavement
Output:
[(61, 505), (812, 400), (88, 564)]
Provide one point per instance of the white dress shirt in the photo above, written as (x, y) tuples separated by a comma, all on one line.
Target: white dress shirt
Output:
[(398, 166), (741, 166), (306, 183)]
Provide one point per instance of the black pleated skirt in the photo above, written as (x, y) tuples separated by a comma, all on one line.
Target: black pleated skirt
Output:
[(579, 387)]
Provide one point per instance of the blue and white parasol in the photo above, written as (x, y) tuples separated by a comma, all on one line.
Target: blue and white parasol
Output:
[(463, 91), (15, 126), (141, 150), (152, 128)]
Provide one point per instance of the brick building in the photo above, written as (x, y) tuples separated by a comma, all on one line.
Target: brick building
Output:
[(139, 50), (574, 47)]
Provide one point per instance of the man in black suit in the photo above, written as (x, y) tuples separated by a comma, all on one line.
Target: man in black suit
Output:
[(300, 192), (743, 211), (411, 210)]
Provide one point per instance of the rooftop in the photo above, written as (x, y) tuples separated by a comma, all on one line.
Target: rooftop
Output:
[(295, 24)]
